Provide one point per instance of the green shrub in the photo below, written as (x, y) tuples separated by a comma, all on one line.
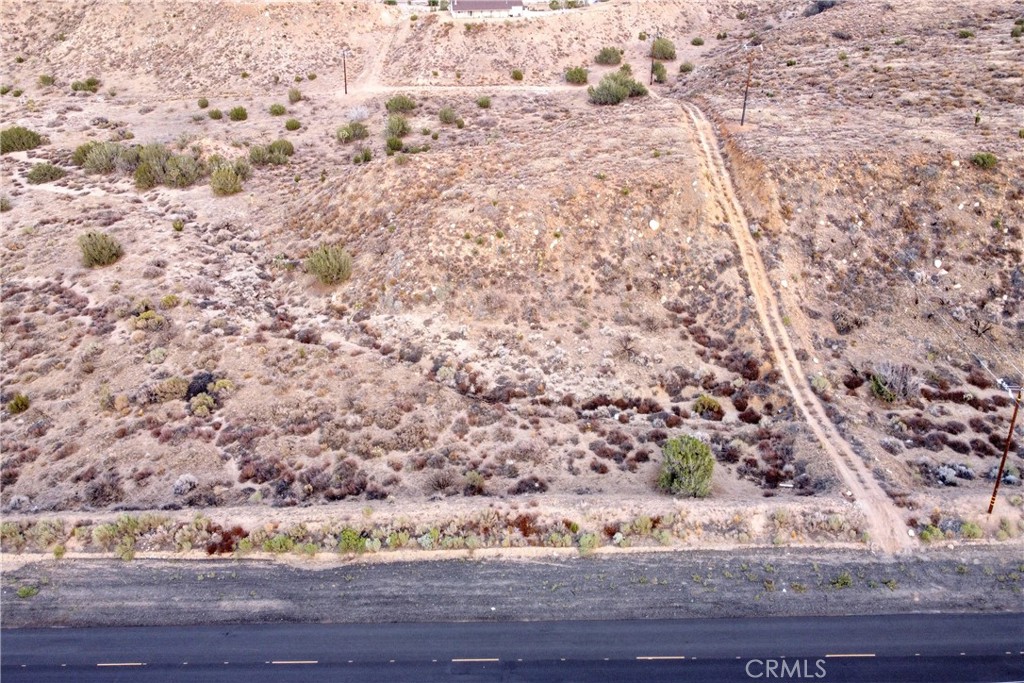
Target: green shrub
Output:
[(686, 67), (660, 74), (707, 407), (181, 170), (790, 62), (397, 126), (353, 130), (25, 592), (881, 390), (225, 181), (330, 264), (984, 160), (483, 102), (351, 541), (393, 144), (45, 173), (292, 124), (577, 75), (517, 74), (722, 35), (609, 56), (18, 404), (964, 34), (46, 80), (400, 103), (17, 92), (844, 580), (447, 115), (203, 103), (697, 41), (281, 146), (91, 84), (931, 533), (687, 467), (281, 543), (663, 48), (102, 157), (18, 139), (294, 95), (238, 114), (259, 155), (310, 77), (971, 530), (81, 152), (215, 114), (277, 110), (1017, 32), (98, 249), (616, 87), (5, 203), (4, 89)]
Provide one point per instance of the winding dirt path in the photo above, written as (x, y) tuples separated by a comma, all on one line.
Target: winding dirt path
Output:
[(886, 526)]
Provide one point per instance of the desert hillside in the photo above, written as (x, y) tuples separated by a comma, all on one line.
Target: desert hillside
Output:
[(543, 291)]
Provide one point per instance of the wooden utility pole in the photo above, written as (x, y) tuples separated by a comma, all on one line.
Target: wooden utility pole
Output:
[(746, 89), (1006, 449), (344, 67)]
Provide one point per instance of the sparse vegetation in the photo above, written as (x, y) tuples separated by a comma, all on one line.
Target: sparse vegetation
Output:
[(238, 114), (659, 72), (98, 249), (46, 80), (483, 102), (517, 74), (203, 103), (447, 115), (985, 160), (277, 110), (91, 84), (225, 180), (294, 95), (697, 42), (686, 67), (330, 264), (18, 404), (615, 88), (577, 75), (400, 104), (292, 124), (352, 131), (215, 114), (397, 126)]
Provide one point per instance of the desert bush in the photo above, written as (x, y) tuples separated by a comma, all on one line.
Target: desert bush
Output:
[(697, 42), (18, 404), (660, 74), (447, 115), (394, 145), (609, 56), (203, 103), (215, 114), (294, 95), (292, 124), (351, 131), (844, 580), (46, 80), (576, 75), (5, 203), (663, 48), (238, 114), (890, 383), (102, 157), (483, 102), (687, 467), (181, 170), (708, 408), (98, 249), (277, 110), (517, 74), (225, 181), (281, 146), (686, 67), (330, 264), (1017, 31), (91, 84), (18, 139), (45, 173), (985, 160), (971, 530), (400, 104), (259, 155), (397, 126), (616, 87), (81, 152), (964, 34)]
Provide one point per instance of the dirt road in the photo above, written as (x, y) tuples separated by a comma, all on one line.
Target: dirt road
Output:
[(887, 528)]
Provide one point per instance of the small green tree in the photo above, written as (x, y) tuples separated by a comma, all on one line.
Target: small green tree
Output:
[(686, 467)]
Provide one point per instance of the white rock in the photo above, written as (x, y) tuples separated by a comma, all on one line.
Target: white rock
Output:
[(654, 224), (938, 263)]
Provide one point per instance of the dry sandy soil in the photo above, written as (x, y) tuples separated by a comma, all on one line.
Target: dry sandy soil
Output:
[(539, 295)]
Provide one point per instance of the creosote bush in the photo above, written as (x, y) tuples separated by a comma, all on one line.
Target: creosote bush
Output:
[(282, 147), (397, 126), (277, 110), (18, 404), (45, 173), (616, 87), (98, 249), (215, 114), (686, 67), (687, 467), (292, 124), (447, 115), (697, 42), (225, 180), (663, 48), (91, 84), (576, 75), (46, 80), (609, 56), (483, 102), (400, 104), (330, 264), (238, 114), (203, 103), (517, 74), (294, 95), (352, 131), (18, 139), (660, 74), (985, 160)]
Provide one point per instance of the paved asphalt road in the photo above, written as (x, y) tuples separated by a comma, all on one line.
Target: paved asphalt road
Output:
[(920, 647)]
